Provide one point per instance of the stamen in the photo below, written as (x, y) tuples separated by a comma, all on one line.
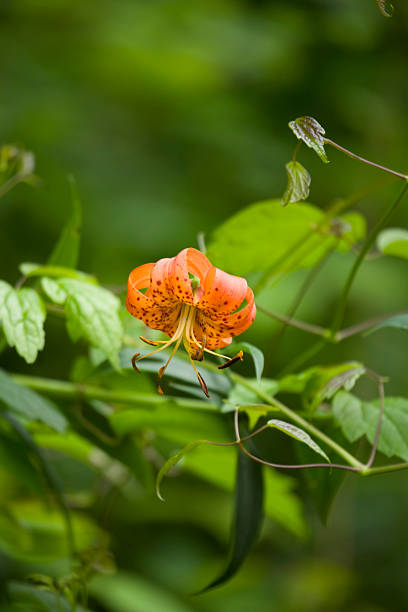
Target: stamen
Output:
[(227, 364), (151, 342), (200, 378), (134, 359), (163, 368)]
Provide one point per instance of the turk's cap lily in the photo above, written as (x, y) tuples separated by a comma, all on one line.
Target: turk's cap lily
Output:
[(192, 302)]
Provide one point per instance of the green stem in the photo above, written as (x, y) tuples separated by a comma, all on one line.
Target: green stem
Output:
[(294, 416), (60, 388), (342, 304), (365, 161), (383, 469)]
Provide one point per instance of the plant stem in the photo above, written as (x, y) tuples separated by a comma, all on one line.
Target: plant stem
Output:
[(59, 388), (272, 401), (383, 469), (308, 327), (342, 304), (365, 161)]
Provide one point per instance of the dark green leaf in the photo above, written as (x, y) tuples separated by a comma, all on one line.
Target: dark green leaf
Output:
[(298, 183), (266, 234), (311, 133), (357, 418), (66, 251), (249, 495), (22, 315), (399, 322), (386, 8), (25, 402), (393, 241)]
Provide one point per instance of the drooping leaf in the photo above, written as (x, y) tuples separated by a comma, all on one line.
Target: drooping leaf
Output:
[(249, 498), (398, 321), (171, 462), (92, 312), (298, 434), (393, 241), (249, 349), (325, 381), (66, 251), (298, 187), (358, 418), (22, 314), (386, 7), (29, 404), (311, 133), (289, 238)]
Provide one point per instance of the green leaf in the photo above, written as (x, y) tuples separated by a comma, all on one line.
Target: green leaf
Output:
[(311, 133), (28, 404), (298, 434), (253, 351), (385, 7), (22, 314), (66, 251), (398, 321), (393, 241), (171, 462), (266, 234), (325, 381), (298, 183), (92, 312), (249, 498), (358, 418), (33, 269)]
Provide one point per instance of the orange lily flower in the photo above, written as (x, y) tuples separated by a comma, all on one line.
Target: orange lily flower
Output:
[(192, 302)]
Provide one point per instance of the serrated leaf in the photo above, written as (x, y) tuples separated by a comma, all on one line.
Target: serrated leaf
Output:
[(398, 321), (66, 251), (298, 187), (311, 133), (393, 241), (385, 7), (325, 381), (249, 499), (30, 405), (358, 418), (298, 434), (92, 312), (292, 237), (171, 462), (22, 314)]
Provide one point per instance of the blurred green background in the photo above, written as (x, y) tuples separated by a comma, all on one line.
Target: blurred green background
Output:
[(172, 115)]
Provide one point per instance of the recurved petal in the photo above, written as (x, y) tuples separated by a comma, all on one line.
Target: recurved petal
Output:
[(187, 261), (223, 293), (232, 324), (136, 301), (206, 334), (160, 290)]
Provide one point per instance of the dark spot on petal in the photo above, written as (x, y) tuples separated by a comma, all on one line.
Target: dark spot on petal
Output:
[(159, 282)]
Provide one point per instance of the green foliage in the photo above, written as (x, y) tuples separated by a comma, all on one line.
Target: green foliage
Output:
[(311, 133), (393, 241), (358, 418), (298, 434), (66, 251), (386, 7), (26, 403), (249, 349), (92, 312), (298, 183), (22, 315), (398, 321), (286, 238)]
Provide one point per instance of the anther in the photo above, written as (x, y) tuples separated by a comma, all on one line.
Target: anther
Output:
[(238, 357), (134, 359), (147, 341)]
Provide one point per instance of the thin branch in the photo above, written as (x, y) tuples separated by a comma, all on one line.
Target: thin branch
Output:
[(360, 327), (380, 382), (365, 161), (287, 320)]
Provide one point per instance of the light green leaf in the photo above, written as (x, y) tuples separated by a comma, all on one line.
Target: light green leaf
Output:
[(33, 269), (385, 7), (298, 183), (92, 312), (358, 418), (66, 251), (22, 314), (399, 321), (266, 234), (325, 381), (311, 133), (298, 434), (393, 241), (25, 402)]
